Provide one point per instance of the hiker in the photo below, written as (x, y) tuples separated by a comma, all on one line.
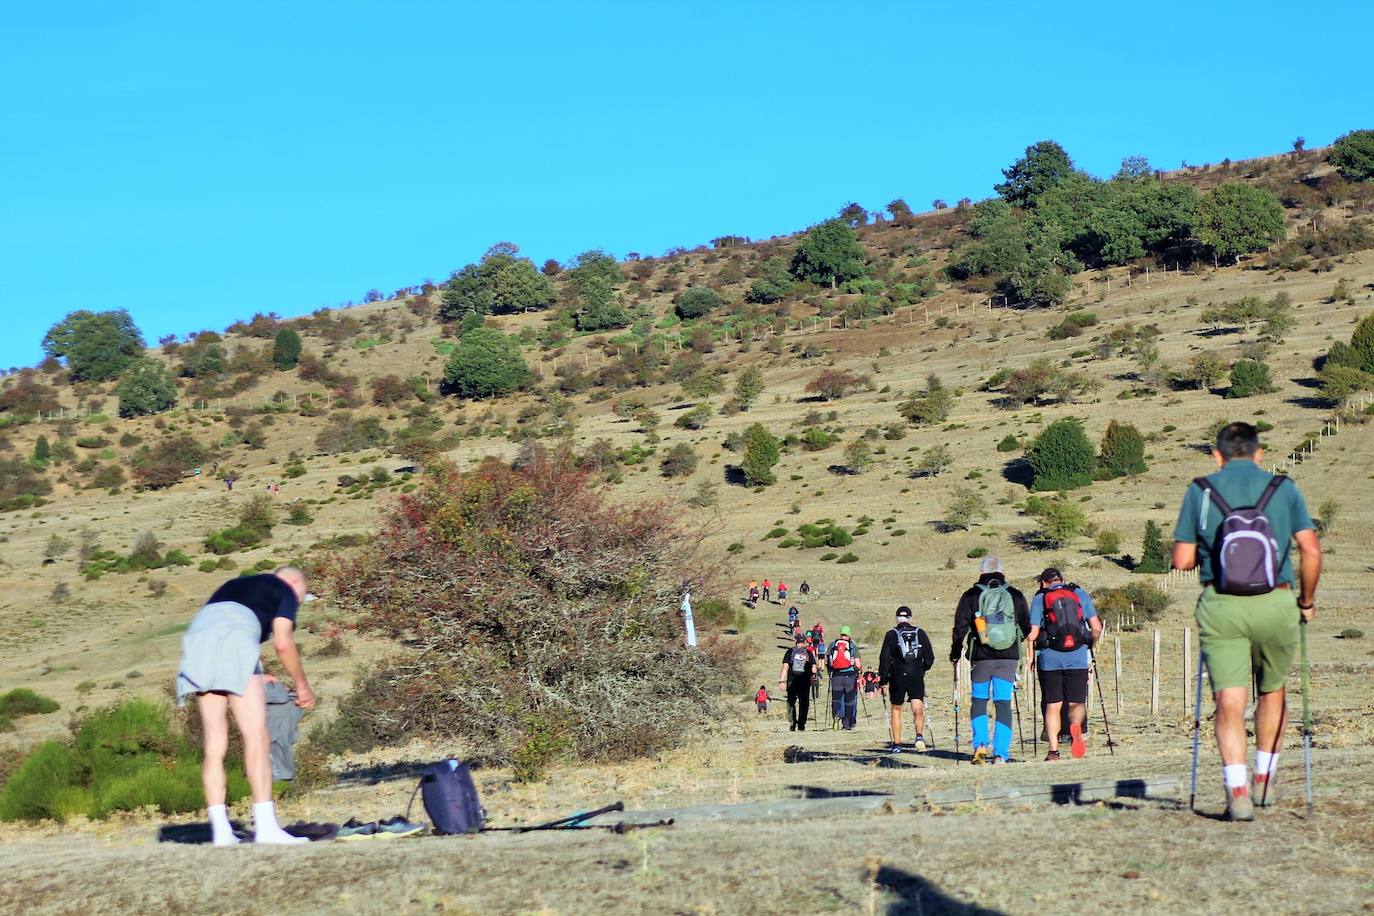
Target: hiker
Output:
[(221, 667), (819, 630), (905, 658), (1249, 611), (793, 616), (229, 483), (991, 620), (766, 587), (1064, 624), (761, 699), (805, 589), (798, 666), (782, 593), (870, 683), (844, 665)]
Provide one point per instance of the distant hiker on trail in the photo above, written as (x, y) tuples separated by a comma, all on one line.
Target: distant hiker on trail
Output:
[(870, 683), (229, 483), (1249, 612), (819, 630), (905, 658), (766, 586), (782, 593), (1064, 624), (989, 624), (753, 594), (221, 667), (805, 589), (798, 665), (793, 616), (844, 665), (761, 699)]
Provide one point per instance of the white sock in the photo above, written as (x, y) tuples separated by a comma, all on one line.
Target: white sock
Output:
[(1265, 763), (221, 831), (1236, 775), (267, 830)]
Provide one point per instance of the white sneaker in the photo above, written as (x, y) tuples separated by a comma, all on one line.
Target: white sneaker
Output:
[(920, 745)]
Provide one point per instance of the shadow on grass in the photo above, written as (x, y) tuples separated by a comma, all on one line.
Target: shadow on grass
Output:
[(917, 895), (881, 759), (1018, 471), (823, 792)]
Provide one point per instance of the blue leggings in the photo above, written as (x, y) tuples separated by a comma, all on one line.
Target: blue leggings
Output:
[(999, 690)]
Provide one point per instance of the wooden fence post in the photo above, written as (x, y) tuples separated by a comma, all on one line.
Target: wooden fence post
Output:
[(1154, 679), (1118, 674)]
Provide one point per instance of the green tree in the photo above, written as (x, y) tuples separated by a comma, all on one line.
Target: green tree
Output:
[(1362, 344), (829, 255), (1061, 457), (203, 360), (930, 406), (42, 452), (1060, 521), (501, 282), (1205, 370), (97, 346), (1340, 382), (696, 302), (1044, 165), (748, 387), (1122, 453), (1249, 377), (934, 461), (286, 349), (702, 384), (858, 455), (761, 452), (1235, 218), (680, 461), (145, 388), (593, 276), (774, 283), (486, 363), (1353, 155), (1154, 557), (966, 508)]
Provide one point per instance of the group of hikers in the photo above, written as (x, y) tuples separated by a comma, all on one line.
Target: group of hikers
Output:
[(1235, 526), (767, 593)]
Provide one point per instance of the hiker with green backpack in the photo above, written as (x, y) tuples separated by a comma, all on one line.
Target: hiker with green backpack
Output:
[(991, 620)]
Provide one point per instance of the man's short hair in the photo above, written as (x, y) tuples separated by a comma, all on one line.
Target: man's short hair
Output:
[(1238, 440)]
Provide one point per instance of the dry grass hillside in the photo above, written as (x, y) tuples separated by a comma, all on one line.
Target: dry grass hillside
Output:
[(89, 642)]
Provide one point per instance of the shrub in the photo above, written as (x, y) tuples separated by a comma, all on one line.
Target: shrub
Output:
[(257, 517), (168, 462), (833, 384), (748, 387), (696, 418), (680, 461), (1154, 557), (929, 407), (1351, 633), (566, 603), (976, 553), (857, 456), (838, 537), (847, 558), (1130, 607), (345, 433), (1249, 377), (21, 702), (145, 388), (1122, 453), (696, 302), (286, 349), (208, 566), (761, 452), (486, 363), (1008, 443), (391, 389), (775, 533), (1107, 543), (1060, 521), (934, 461), (1061, 457), (813, 439), (966, 508)]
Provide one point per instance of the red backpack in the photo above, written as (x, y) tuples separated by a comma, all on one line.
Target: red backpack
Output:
[(841, 655), (1065, 628)]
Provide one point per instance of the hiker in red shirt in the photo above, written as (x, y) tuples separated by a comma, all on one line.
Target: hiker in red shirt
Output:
[(761, 699), (766, 586), (782, 593)]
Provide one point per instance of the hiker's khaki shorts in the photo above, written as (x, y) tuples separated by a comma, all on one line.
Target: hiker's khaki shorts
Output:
[(1245, 634)]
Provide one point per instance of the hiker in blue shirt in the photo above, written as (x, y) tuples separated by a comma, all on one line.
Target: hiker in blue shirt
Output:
[(1064, 624)]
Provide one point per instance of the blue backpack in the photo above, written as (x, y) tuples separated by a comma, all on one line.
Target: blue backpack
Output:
[(450, 798)]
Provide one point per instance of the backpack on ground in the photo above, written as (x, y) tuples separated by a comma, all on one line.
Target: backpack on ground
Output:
[(841, 655), (1245, 552), (909, 644), (450, 798), (996, 611), (799, 660), (1064, 628)]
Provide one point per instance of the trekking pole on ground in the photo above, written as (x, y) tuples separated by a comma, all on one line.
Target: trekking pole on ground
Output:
[(955, 694), (1035, 710), (1306, 721), (864, 704), (929, 727), (1020, 735), (1197, 732), (887, 711), (1106, 726)]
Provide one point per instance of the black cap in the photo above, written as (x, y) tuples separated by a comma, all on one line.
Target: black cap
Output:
[(801, 639), (1050, 575), (904, 611)]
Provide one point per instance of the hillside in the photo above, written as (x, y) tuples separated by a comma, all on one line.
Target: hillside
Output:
[(87, 640)]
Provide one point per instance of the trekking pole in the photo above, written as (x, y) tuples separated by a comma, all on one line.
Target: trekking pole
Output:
[(1020, 735), (1197, 731), (955, 695), (1306, 721), (1106, 726), (1035, 709), (887, 711), (864, 704)]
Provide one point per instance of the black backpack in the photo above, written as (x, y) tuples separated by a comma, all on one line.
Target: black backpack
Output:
[(909, 644), (1245, 552), (450, 798)]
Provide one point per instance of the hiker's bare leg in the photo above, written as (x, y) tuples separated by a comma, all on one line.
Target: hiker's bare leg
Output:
[(1230, 724), (1052, 711), (895, 714), (918, 713), (214, 723), (1076, 712), (1271, 714), (250, 714)]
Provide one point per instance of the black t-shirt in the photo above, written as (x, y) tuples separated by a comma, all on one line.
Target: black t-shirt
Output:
[(266, 596), (810, 663)]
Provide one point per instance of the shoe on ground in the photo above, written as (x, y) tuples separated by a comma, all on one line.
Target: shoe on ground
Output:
[(895, 747), (920, 745), (1077, 746), (980, 756), (1052, 755), (1259, 797), (353, 829), (997, 760), (399, 826), (1239, 807), (792, 727)]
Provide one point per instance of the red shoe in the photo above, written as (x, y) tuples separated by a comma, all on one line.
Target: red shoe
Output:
[(1078, 747)]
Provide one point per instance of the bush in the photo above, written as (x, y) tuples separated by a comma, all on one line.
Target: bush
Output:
[(486, 363), (345, 433), (696, 302), (1061, 457), (168, 462), (838, 537), (965, 509), (1107, 543), (680, 461), (1353, 155), (1351, 633), (145, 388), (929, 407), (976, 553), (120, 758), (761, 452), (21, 702), (286, 349), (833, 384), (1122, 453), (566, 603), (858, 455), (1060, 521), (1249, 377), (696, 418), (21, 487), (257, 517), (813, 439), (1130, 607), (847, 558), (1009, 443)]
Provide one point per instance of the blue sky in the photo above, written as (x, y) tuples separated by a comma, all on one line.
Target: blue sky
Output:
[(195, 163)]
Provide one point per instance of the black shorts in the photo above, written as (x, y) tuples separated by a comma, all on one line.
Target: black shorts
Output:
[(907, 687), (1069, 686)]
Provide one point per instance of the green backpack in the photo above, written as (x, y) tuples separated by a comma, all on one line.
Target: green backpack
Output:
[(995, 608)]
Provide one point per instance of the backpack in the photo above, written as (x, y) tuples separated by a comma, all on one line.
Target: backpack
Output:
[(909, 644), (1245, 552), (1065, 627), (842, 655), (799, 659), (996, 611), (450, 798)]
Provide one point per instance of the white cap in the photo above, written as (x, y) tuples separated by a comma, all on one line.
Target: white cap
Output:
[(990, 565)]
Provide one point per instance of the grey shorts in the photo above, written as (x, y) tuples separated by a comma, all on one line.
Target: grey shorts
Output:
[(220, 651)]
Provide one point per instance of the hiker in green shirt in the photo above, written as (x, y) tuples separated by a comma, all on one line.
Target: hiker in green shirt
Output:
[(1244, 519)]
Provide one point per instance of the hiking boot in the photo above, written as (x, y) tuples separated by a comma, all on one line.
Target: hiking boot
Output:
[(980, 756), (1239, 807), (920, 745), (792, 727), (1077, 746), (1259, 796), (1052, 755)]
